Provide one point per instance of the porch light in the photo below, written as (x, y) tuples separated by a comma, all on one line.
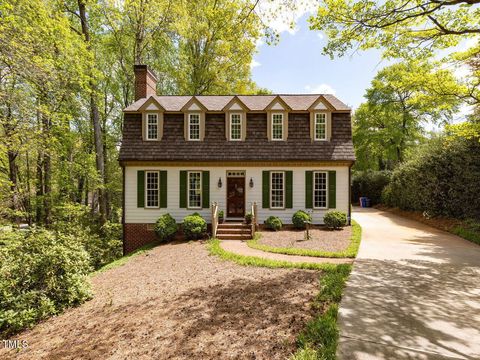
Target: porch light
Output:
[(219, 182), (251, 182)]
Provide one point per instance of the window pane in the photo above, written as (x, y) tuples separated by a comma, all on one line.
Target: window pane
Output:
[(194, 190), (320, 190), (152, 128), (152, 188), (235, 127), (320, 127), (277, 189), (277, 126), (194, 126)]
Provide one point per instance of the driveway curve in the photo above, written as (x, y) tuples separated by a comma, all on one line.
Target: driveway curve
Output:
[(414, 293)]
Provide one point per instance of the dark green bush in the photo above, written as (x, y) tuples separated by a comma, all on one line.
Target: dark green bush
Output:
[(441, 178), (41, 273), (335, 219), (103, 243), (166, 227), (273, 223), (194, 227), (248, 218), (299, 218), (370, 184)]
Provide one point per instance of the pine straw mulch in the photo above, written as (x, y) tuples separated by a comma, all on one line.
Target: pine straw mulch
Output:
[(321, 238), (177, 302)]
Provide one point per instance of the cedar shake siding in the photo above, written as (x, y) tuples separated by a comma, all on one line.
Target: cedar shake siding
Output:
[(256, 147)]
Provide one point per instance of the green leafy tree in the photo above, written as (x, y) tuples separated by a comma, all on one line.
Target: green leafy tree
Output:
[(406, 28), (401, 100)]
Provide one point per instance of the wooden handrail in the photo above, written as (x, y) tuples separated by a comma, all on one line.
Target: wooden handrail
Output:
[(254, 219), (214, 209)]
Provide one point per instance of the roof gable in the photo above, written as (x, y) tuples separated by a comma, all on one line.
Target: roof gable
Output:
[(235, 104), (278, 104), (321, 104), (151, 105), (193, 105)]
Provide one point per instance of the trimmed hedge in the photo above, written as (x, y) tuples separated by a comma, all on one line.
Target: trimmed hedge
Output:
[(299, 218), (166, 227), (370, 184), (194, 227), (273, 223), (335, 219), (442, 178)]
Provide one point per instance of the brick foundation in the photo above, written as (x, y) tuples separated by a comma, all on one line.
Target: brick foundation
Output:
[(137, 235)]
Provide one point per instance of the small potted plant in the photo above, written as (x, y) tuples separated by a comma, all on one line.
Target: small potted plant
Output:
[(221, 217), (248, 218)]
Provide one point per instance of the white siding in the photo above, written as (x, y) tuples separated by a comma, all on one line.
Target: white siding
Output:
[(141, 215)]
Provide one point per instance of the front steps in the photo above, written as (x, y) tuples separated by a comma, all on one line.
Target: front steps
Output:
[(234, 231)]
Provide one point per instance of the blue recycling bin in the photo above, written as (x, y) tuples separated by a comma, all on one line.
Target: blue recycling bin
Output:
[(363, 202), (367, 202)]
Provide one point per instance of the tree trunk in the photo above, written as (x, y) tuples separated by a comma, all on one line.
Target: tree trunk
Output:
[(47, 176), (95, 117), (39, 188)]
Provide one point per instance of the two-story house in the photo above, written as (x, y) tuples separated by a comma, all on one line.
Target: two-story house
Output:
[(181, 153)]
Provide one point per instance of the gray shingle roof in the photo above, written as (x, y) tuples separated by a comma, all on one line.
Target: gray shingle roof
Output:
[(297, 102)]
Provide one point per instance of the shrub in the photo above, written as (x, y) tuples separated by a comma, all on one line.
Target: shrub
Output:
[(103, 243), (370, 184), (440, 178), (41, 273), (166, 227), (273, 223), (194, 226), (335, 219), (299, 218), (248, 218), (221, 214)]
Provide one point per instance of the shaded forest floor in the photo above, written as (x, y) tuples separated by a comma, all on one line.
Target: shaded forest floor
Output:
[(176, 301)]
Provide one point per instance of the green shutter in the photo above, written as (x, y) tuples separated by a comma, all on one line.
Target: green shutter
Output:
[(163, 189), (140, 188), (289, 189), (265, 189), (332, 189), (205, 189), (183, 189), (309, 189)]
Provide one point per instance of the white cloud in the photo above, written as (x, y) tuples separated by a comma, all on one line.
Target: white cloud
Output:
[(254, 64), (320, 89), (320, 35)]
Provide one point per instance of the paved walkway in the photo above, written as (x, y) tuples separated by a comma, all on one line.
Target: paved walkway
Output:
[(241, 248), (414, 293)]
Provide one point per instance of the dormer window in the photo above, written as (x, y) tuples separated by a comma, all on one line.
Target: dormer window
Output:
[(235, 127), (194, 127), (277, 126), (152, 127), (320, 126)]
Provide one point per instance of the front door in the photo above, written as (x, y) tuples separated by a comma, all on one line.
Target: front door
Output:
[(235, 196)]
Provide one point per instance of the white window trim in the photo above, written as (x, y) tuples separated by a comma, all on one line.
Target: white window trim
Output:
[(315, 126), (188, 191), (271, 192), (283, 126), (146, 189), (326, 190), (146, 126), (199, 126), (230, 126)]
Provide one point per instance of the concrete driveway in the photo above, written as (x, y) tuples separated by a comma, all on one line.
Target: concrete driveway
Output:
[(414, 293)]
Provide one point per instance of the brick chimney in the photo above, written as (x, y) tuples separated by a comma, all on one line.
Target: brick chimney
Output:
[(145, 82)]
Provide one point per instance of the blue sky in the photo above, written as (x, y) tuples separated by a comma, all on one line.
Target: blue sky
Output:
[(296, 65)]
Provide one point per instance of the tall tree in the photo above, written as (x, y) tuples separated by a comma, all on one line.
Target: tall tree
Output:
[(401, 100), (406, 28)]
